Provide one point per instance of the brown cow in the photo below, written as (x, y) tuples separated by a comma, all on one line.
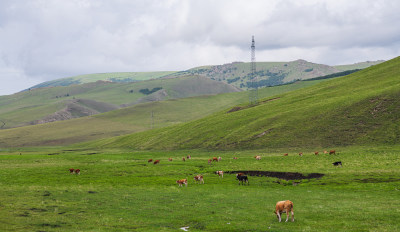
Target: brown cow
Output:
[(169, 159), (316, 153), (150, 160), (156, 162), (183, 158), (301, 154), (71, 170), (284, 207), (332, 152), (235, 158), (215, 159), (220, 173), (257, 157), (77, 171), (286, 154), (181, 182), (199, 178)]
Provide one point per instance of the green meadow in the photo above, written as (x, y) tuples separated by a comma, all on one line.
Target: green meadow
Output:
[(118, 190)]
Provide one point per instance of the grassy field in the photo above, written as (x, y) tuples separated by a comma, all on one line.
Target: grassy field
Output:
[(119, 191)]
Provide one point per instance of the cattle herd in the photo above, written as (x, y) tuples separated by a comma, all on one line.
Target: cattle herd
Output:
[(281, 206)]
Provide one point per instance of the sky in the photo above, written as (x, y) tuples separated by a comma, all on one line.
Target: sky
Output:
[(43, 40)]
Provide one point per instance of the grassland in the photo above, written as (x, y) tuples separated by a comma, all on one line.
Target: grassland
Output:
[(132, 119), (358, 109), (119, 191)]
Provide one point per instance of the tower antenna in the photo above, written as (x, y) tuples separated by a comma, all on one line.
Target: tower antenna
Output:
[(253, 93)]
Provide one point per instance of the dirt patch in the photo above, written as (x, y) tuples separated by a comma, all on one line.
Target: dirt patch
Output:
[(281, 175), (234, 109)]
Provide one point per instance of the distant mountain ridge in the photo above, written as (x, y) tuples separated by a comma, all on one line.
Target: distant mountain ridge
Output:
[(235, 73)]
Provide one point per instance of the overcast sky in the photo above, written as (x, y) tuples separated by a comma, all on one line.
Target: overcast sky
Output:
[(43, 40)]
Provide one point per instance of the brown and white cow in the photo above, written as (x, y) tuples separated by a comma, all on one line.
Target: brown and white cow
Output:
[(77, 171), (199, 179), (332, 152), (189, 157), (325, 152), (220, 173), (71, 171), (150, 160), (169, 159), (156, 162), (257, 157), (219, 158), (209, 161), (301, 154), (284, 207), (182, 182)]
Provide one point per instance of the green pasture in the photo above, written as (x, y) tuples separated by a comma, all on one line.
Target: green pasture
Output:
[(118, 190)]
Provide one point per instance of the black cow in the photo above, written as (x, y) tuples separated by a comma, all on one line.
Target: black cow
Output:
[(242, 179), (337, 163)]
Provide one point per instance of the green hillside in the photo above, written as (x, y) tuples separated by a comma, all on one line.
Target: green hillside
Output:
[(132, 119), (112, 77), (362, 108), (270, 73), (66, 102)]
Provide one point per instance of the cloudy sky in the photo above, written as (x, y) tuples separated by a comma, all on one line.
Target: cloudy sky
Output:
[(42, 40)]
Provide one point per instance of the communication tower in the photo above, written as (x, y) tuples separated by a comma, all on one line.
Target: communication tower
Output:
[(253, 93)]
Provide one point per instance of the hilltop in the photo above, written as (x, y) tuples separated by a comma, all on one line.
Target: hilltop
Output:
[(361, 108)]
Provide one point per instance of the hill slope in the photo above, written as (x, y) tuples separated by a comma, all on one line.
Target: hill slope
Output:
[(65, 102), (131, 119), (362, 108)]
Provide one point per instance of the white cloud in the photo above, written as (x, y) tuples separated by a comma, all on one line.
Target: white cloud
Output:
[(43, 40)]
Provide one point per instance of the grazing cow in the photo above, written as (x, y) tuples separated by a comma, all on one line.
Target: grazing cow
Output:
[(332, 152), (181, 182), (325, 152), (77, 171), (156, 162), (301, 154), (257, 157), (337, 163), (242, 179), (150, 160), (199, 178), (189, 157), (316, 153), (209, 161), (220, 173), (240, 174), (215, 159), (169, 159), (71, 170), (284, 207), (183, 159), (219, 158), (235, 158), (286, 154)]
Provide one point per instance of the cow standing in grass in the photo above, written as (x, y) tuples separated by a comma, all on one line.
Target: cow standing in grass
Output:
[(199, 179), (284, 207), (182, 182), (220, 173)]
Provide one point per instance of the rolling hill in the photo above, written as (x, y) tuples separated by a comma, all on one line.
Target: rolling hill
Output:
[(132, 119), (66, 102), (358, 109)]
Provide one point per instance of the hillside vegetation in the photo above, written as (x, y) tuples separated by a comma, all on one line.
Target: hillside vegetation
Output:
[(131, 119), (66, 102), (362, 108)]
